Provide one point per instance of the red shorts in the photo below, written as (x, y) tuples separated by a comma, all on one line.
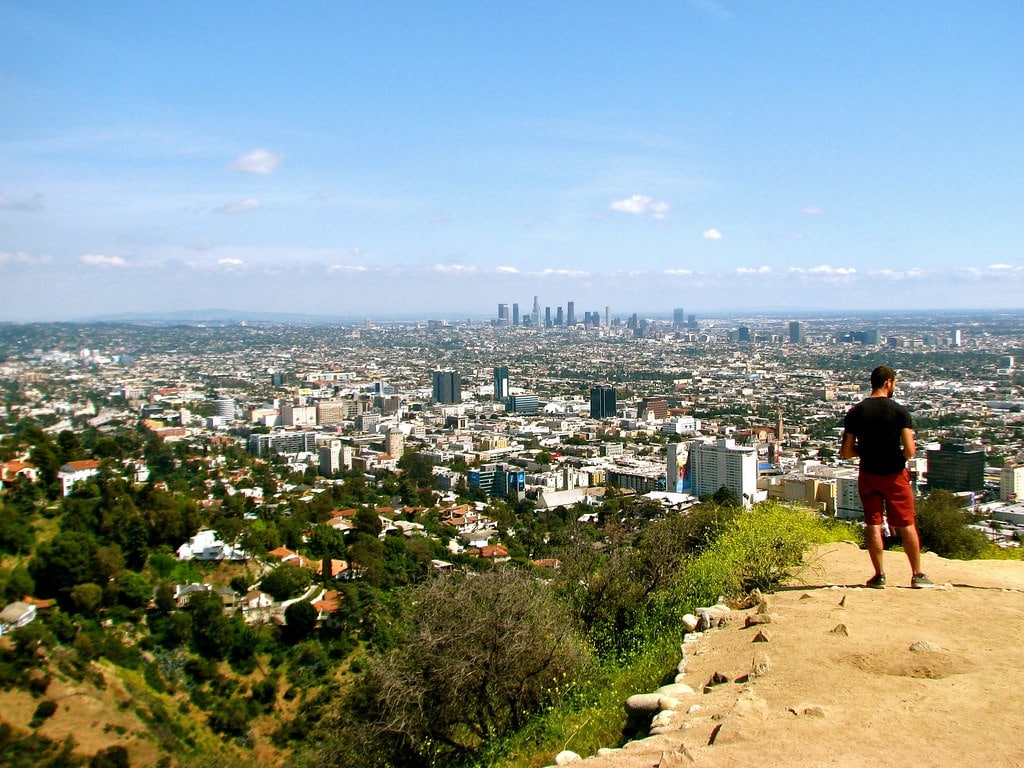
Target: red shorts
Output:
[(893, 492)]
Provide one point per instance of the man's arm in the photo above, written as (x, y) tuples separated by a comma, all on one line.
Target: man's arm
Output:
[(907, 441), (848, 449)]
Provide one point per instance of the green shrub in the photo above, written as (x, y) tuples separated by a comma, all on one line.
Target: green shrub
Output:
[(764, 546), (44, 711), (943, 528)]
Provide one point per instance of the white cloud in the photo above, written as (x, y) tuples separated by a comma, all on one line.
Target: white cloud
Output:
[(261, 161), (508, 270), (711, 234), (894, 274), (812, 210), (753, 270), (560, 273), (679, 272), (345, 268), (231, 262), (99, 260), (21, 257), (641, 204), (823, 269), (455, 268), (249, 204), (34, 203)]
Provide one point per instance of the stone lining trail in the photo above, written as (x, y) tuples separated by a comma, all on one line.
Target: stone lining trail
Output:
[(827, 672)]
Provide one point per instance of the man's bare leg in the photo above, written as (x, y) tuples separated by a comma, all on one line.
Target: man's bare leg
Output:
[(876, 547), (912, 546)]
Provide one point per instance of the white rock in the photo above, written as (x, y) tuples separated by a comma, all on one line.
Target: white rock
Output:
[(690, 622), (669, 702), (662, 719), (565, 757), (675, 689)]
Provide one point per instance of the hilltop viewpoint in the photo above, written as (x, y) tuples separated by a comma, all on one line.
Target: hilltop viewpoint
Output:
[(849, 676)]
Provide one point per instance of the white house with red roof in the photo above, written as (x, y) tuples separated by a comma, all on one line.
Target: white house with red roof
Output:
[(75, 472)]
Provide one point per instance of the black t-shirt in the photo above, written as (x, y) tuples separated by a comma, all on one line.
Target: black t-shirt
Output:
[(877, 423)]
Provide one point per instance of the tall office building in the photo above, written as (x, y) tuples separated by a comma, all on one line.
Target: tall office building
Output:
[(678, 319), (515, 315), (224, 407), (329, 456), (394, 443), (724, 464), (957, 467), (1011, 483), (655, 407), (602, 402), (570, 313), (559, 318), (503, 314), (522, 404), (547, 317), (447, 387), (607, 316), (796, 331), (743, 333), (536, 312), (501, 383)]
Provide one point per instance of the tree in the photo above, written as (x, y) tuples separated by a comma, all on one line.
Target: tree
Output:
[(478, 657), (326, 542), (18, 584), (300, 619), (212, 634), (135, 589), (69, 558), (286, 581), (87, 597)]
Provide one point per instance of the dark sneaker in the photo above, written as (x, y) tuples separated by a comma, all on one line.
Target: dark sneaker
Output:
[(920, 581), (876, 582)]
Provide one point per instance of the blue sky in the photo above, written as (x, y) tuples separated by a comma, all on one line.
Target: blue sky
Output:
[(392, 158)]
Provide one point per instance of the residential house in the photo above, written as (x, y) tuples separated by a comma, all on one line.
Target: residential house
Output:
[(15, 615), (75, 472), (206, 546)]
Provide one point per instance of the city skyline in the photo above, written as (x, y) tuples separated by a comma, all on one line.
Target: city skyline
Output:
[(719, 156)]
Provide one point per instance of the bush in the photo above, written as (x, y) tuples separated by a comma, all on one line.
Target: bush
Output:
[(44, 711), (943, 528), (761, 548), (480, 656), (111, 757)]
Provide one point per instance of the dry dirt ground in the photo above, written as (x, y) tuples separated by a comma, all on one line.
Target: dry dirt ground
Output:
[(844, 687)]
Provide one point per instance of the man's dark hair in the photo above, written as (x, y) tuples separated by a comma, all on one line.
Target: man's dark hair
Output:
[(880, 375)]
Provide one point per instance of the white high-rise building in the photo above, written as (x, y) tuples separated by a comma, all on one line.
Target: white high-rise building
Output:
[(329, 456), (394, 443), (724, 464), (298, 415), (1011, 483), (848, 504)]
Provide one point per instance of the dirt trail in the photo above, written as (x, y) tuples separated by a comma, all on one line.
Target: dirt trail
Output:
[(844, 688)]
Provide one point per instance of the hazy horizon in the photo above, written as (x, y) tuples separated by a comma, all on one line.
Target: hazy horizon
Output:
[(373, 159)]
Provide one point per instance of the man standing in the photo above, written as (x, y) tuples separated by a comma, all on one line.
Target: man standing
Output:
[(879, 430)]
